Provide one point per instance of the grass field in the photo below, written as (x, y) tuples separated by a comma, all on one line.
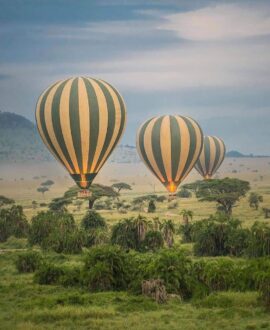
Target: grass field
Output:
[(26, 305)]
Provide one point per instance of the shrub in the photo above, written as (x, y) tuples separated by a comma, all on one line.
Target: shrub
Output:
[(263, 285), (57, 232), (71, 276), (124, 233), (28, 262), (106, 268), (13, 223), (153, 241), (92, 220), (259, 240), (96, 236), (161, 199), (173, 267), (48, 274), (219, 236), (151, 206)]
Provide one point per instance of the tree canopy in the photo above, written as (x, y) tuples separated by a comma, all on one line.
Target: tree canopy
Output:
[(121, 186), (225, 192)]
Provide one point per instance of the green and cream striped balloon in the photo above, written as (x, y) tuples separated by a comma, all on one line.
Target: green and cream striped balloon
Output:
[(211, 157), (170, 147), (81, 121)]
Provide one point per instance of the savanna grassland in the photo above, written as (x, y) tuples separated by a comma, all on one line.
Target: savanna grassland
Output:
[(25, 303)]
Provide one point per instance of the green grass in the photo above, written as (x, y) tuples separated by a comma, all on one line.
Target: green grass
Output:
[(25, 305)]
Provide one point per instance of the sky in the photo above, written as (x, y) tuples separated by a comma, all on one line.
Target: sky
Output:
[(209, 60)]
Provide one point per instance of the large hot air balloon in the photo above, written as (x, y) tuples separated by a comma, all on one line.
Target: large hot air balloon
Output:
[(170, 147), (81, 120), (211, 157)]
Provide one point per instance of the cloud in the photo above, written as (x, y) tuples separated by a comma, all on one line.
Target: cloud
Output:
[(220, 22)]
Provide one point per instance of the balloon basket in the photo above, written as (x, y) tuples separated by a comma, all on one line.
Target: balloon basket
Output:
[(171, 197), (84, 193)]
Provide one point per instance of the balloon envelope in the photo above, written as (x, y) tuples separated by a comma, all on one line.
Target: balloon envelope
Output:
[(81, 120), (211, 157), (170, 147)]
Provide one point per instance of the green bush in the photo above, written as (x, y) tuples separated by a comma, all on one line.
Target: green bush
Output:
[(93, 220), (96, 236), (263, 285), (259, 240), (173, 267), (72, 276), (106, 268), (220, 236), (153, 241), (28, 262), (125, 234), (13, 223), (151, 206), (57, 232), (48, 274)]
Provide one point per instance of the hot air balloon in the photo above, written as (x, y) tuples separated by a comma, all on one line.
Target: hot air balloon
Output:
[(81, 121), (170, 147), (211, 157)]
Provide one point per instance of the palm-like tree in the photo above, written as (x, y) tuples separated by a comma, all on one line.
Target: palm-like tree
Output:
[(141, 224), (187, 214), (168, 230)]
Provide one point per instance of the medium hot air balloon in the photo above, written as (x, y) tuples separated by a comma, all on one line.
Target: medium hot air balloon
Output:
[(170, 147), (211, 157), (81, 121)]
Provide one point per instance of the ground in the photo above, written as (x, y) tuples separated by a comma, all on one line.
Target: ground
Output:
[(25, 305)]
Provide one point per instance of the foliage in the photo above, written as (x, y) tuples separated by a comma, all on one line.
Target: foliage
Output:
[(106, 268), (28, 262), (59, 204), (93, 220), (153, 241), (219, 236), (5, 201), (42, 190), (121, 186), (259, 240), (56, 231), (48, 273), (184, 193), (151, 206), (254, 200), (225, 192), (13, 223), (168, 231), (187, 214)]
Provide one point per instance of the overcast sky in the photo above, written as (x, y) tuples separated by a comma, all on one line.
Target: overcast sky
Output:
[(206, 59)]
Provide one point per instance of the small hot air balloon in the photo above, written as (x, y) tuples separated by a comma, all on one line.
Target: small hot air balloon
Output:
[(81, 121), (170, 147), (211, 157)]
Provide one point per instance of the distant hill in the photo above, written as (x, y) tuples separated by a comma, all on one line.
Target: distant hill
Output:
[(20, 142), (237, 154)]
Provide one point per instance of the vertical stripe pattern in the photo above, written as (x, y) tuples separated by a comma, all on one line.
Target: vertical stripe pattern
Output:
[(211, 157), (170, 147), (81, 121)]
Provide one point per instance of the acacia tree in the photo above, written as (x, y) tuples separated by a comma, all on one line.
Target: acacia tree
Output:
[(254, 200), (225, 192), (47, 183), (121, 186), (97, 191), (42, 190)]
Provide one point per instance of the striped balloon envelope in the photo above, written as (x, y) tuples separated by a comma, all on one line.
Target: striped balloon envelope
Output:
[(81, 121), (211, 157), (170, 147)]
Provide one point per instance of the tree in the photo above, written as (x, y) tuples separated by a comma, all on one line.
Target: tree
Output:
[(254, 200), (47, 183), (187, 214), (93, 220), (59, 204), (121, 186), (42, 190), (266, 212), (153, 240), (141, 225), (225, 192), (97, 191), (168, 230), (184, 193), (151, 206), (5, 201)]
